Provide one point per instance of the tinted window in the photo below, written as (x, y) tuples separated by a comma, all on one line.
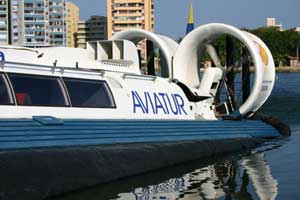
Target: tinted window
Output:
[(5, 97), (89, 93), (38, 90)]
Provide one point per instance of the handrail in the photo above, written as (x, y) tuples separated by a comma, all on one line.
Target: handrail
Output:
[(128, 75), (20, 48), (101, 71)]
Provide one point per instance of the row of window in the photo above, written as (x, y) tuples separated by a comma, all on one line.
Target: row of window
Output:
[(32, 90)]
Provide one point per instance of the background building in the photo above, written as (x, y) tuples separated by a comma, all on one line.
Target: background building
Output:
[(72, 23), (124, 14), (271, 22), (17, 22), (57, 22), (29, 23), (4, 22), (92, 29), (38, 22)]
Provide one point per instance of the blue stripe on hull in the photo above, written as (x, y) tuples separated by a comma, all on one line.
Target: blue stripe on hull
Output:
[(19, 134)]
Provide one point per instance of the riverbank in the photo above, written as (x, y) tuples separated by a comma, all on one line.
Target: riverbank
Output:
[(288, 69)]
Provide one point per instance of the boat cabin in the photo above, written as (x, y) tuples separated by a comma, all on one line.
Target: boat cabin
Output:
[(111, 88)]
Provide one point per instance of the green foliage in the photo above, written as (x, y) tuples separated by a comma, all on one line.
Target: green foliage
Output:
[(281, 43), (220, 45)]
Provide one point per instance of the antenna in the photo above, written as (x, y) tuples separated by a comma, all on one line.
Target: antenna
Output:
[(55, 63)]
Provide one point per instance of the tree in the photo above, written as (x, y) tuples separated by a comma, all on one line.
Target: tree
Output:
[(281, 43)]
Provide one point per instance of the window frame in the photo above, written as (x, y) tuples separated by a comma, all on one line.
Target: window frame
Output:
[(10, 90), (60, 82), (104, 82)]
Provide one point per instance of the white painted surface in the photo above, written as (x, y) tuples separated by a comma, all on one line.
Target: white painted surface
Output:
[(138, 96), (186, 61), (165, 44)]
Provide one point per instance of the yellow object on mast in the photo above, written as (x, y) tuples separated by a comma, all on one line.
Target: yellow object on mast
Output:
[(190, 25)]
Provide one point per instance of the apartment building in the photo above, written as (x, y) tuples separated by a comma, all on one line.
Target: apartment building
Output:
[(17, 22), (72, 23), (124, 14), (4, 22), (37, 23), (271, 22), (93, 29), (57, 22)]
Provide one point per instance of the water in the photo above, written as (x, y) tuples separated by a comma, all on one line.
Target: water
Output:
[(268, 172)]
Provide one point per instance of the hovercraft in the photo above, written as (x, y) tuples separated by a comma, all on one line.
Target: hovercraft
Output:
[(74, 118)]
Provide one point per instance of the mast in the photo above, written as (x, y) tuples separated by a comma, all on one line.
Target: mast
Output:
[(190, 24)]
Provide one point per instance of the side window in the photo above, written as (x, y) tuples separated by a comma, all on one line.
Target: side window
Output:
[(89, 93), (38, 90), (5, 94)]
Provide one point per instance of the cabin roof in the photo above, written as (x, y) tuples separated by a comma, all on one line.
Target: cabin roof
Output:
[(70, 58)]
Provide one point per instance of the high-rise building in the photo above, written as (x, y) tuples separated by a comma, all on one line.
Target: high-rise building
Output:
[(93, 29), (30, 22), (17, 22), (72, 23), (38, 22), (4, 22), (271, 22), (124, 14), (57, 22)]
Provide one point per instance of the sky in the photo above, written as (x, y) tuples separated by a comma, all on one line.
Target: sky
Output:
[(171, 15)]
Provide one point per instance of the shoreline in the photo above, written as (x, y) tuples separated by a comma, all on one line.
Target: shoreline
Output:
[(287, 69), (283, 69)]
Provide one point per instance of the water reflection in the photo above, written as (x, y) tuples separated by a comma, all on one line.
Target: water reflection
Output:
[(244, 176), (247, 178), (231, 177), (258, 170)]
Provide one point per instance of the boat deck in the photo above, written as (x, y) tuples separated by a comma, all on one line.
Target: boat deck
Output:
[(44, 132)]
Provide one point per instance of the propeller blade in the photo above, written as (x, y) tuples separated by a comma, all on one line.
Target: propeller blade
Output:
[(229, 80), (212, 52), (214, 56), (245, 75), (150, 58)]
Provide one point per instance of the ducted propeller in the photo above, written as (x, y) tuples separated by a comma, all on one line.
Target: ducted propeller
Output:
[(243, 95)]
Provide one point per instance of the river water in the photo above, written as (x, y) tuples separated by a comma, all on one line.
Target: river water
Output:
[(268, 172)]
